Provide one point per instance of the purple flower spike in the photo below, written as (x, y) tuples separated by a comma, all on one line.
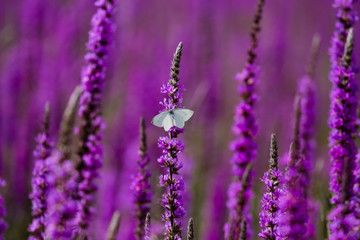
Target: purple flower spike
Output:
[(141, 186), (344, 218), (293, 216), (62, 207), (171, 147), (270, 201), (343, 100), (92, 124), (245, 128), (40, 186)]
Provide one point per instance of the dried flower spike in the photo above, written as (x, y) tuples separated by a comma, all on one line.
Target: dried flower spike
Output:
[(114, 226)]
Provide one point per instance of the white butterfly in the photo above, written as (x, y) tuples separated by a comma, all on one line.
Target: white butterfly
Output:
[(174, 117)]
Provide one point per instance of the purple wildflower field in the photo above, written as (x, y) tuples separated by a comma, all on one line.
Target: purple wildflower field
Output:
[(205, 119)]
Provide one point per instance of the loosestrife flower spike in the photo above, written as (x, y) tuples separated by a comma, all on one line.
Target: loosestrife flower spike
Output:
[(62, 207), (171, 147), (190, 230), (343, 104), (141, 186), (40, 185), (92, 124), (344, 218), (308, 92), (293, 217), (114, 226), (245, 128), (240, 196), (270, 202)]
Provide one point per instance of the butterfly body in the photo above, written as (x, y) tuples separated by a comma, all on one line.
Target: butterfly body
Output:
[(172, 118)]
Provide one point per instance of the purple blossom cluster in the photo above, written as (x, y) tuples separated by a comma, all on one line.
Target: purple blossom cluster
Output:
[(171, 146), (62, 208), (140, 185), (270, 203), (39, 180), (92, 124), (313, 192), (244, 147)]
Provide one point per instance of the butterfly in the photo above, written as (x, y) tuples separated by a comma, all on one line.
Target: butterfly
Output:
[(172, 118)]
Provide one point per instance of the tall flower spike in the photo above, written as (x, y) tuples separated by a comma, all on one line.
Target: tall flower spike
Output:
[(171, 147), (293, 217), (270, 202), (92, 124), (40, 185), (308, 92), (245, 129), (190, 230), (343, 104), (62, 207), (68, 123), (240, 194), (344, 220), (114, 226), (141, 186)]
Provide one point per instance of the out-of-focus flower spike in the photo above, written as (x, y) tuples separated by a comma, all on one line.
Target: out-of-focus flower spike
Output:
[(245, 129), (295, 146), (315, 50), (68, 123), (141, 186), (190, 230), (92, 124), (40, 185), (147, 227), (240, 193), (114, 226), (308, 92), (62, 207), (270, 202)]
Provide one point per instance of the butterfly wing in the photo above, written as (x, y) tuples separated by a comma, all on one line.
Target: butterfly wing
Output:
[(184, 114), (179, 121), (158, 120), (168, 122)]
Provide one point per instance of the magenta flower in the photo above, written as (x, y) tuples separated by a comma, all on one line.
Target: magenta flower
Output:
[(171, 146), (344, 217), (270, 202), (92, 124), (245, 129), (140, 185), (62, 207), (343, 101), (40, 185)]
